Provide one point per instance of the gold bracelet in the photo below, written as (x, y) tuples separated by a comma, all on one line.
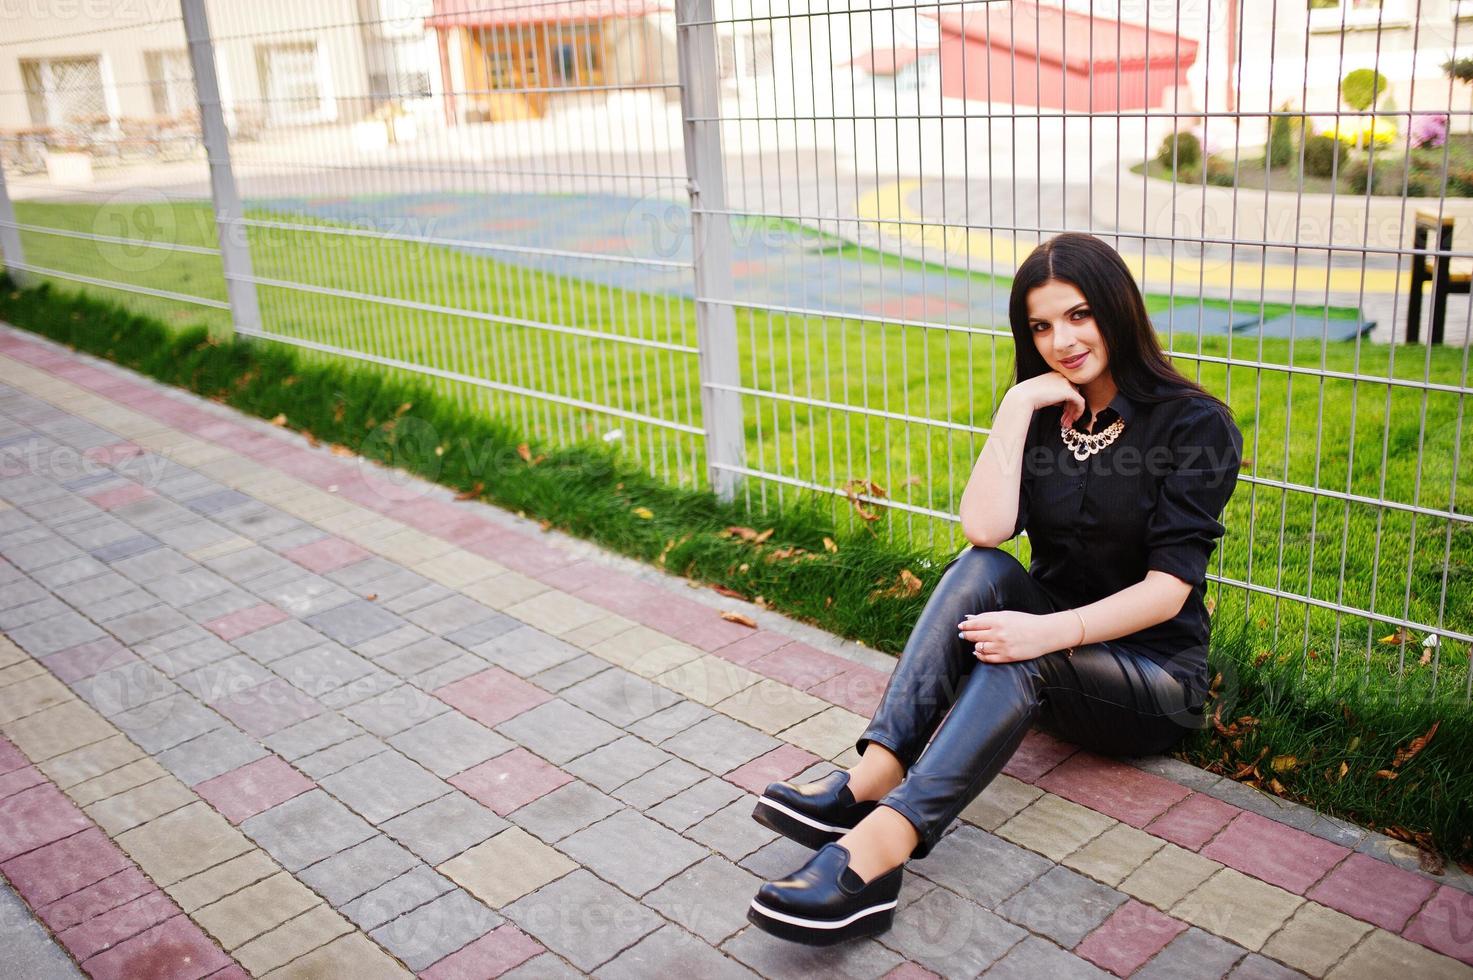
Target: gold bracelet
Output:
[(1080, 617)]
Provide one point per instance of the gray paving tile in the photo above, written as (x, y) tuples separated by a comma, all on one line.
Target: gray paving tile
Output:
[(152, 565), (124, 687), (779, 859), (55, 633), (372, 684), (313, 735), (419, 656), (385, 785), (31, 612), (279, 640), (388, 901), (218, 501), (569, 672), (731, 831), (620, 696), (164, 723), (569, 808), (1193, 953), (544, 966), (436, 929), (1256, 966), (180, 589), (862, 959), (358, 870), (709, 898), (146, 624), (673, 720), (950, 935), (305, 829), (954, 860), (456, 613), (38, 554), (68, 572), (248, 563), (359, 574), (353, 622), (232, 599), (319, 669), (449, 743), (303, 596), (396, 639), (525, 650), (695, 803), (1035, 957), (185, 649), (223, 678), (125, 548), (212, 754), (1061, 904), (558, 731), (612, 765), (672, 952), (660, 783), (413, 599), (720, 744), (632, 851), (396, 710), (582, 918), (103, 609), (445, 827), (335, 758)]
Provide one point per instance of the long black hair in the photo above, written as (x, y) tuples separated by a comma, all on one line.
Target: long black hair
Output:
[(1138, 365)]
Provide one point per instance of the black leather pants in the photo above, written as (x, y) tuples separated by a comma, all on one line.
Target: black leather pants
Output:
[(1107, 697)]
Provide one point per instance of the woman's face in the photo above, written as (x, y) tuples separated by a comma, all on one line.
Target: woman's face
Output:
[(1065, 333)]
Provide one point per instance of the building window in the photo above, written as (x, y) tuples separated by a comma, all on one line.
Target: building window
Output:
[(1331, 15), (64, 91), (171, 81), (745, 53), (573, 54), (294, 83), (401, 67)]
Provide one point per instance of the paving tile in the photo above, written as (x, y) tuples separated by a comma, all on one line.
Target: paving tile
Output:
[(1238, 907), (91, 760), (1114, 854), (1256, 966), (719, 744), (139, 804), (492, 696), (166, 722), (1315, 938), (308, 931), (671, 951), (445, 827), (353, 622), (1054, 826), (1194, 953), (1037, 754), (1035, 957), (63, 865), (1168, 876), (510, 780), (1194, 821), (558, 731), (830, 733), (108, 892), (124, 687), (86, 659), (1381, 955), (999, 801), (771, 706), (555, 612), (307, 828), (645, 651), (223, 677), (396, 710), (274, 642), (175, 948), (350, 955), (312, 735), (951, 936), (320, 669), (671, 721), (632, 851), (568, 808), (253, 788), (325, 554), (865, 959), (256, 909), (611, 766), (58, 729), (620, 696), (384, 786), (582, 919), (707, 899), (396, 896), (495, 953), (449, 743), (562, 676), (232, 626), (325, 762), (182, 843), (1132, 934), (506, 867), (708, 679), (799, 665), (358, 870), (731, 831), (695, 803), (781, 763), (1445, 924), (1063, 905), (1280, 855), (1373, 890), (1113, 788), (268, 707)]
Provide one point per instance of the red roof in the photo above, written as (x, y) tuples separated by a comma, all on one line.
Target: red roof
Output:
[(887, 61), (497, 13), (1074, 38)]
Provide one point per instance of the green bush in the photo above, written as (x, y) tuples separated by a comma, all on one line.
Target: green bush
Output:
[(1219, 172), (1363, 87), (1323, 154), (1280, 140), (1180, 151)]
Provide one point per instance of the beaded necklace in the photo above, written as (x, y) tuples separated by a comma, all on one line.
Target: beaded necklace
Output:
[(1086, 444)]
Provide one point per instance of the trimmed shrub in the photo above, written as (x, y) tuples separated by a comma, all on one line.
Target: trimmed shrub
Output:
[(1280, 140), (1323, 154), (1363, 88), (1180, 150)]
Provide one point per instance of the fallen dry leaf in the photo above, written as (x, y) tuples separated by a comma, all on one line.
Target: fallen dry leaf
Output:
[(643, 512), (545, 524), (403, 408), (907, 587), (761, 538), (736, 617), (1283, 763), (1385, 774), (745, 533), (1426, 657), (371, 597), (279, 420), (526, 453), (729, 593), (829, 546), (312, 440), (472, 493), (1396, 637), (1211, 605), (1410, 750), (339, 450)]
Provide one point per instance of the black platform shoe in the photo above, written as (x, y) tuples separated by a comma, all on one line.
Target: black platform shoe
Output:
[(824, 902), (813, 814)]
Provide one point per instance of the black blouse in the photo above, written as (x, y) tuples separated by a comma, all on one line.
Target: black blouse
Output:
[(1151, 499)]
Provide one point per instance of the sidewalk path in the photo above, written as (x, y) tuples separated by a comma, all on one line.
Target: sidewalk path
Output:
[(267, 712)]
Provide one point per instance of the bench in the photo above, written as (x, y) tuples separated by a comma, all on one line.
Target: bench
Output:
[(1436, 268)]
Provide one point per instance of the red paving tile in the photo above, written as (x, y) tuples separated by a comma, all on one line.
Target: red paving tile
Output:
[(699, 625), (35, 817), (503, 948), (115, 497), (521, 555), (11, 757), (752, 646), (782, 762), (1037, 754), (234, 625), (112, 927), (1373, 891), (1132, 934), (1193, 821), (578, 575), (268, 707), (116, 889), (175, 949), (326, 554), (800, 665), (74, 663), (492, 696), (19, 779), (510, 780), (1114, 788), (859, 689), (253, 788), (911, 971), (625, 595), (64, 866), (1274, 852), (1445, 924)]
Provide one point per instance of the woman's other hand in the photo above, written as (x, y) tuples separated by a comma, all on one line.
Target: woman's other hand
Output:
[(1010, 635)]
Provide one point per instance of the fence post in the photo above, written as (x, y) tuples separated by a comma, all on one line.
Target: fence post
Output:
[(705, 169), (235, 250), (10, 246)]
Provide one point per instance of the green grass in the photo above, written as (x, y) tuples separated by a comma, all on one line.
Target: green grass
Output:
[(1270, 708)]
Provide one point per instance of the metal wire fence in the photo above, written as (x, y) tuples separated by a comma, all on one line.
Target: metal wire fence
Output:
[(767, 250)]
